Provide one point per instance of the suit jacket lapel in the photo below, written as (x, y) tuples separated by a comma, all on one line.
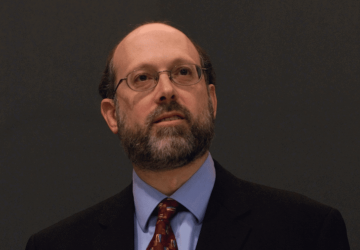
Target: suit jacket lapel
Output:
[(224, 225), (117, 223)]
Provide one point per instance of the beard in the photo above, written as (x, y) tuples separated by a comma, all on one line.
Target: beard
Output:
[(165, 148)]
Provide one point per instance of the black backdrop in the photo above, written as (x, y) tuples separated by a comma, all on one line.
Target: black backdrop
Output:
[(288, 93)]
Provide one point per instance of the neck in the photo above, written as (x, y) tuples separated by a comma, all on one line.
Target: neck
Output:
[(167, 182)]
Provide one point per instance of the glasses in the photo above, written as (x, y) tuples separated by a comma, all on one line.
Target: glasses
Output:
[(146, 79)]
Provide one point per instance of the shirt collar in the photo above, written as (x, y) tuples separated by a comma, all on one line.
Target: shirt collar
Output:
[(193, 194)]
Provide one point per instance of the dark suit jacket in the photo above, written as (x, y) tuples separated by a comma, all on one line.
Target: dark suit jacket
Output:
[(240, 215)]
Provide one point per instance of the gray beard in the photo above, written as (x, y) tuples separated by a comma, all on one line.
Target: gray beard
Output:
[(170, 147)]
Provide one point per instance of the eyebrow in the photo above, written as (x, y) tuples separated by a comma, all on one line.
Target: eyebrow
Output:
[(177, 61)]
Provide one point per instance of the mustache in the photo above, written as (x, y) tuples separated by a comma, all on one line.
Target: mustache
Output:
[(167, 107)]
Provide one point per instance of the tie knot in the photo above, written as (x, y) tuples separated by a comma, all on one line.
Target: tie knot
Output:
[(167, 208)]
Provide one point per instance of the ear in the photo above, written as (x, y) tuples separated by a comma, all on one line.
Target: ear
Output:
[(108, 111), (212, 94)]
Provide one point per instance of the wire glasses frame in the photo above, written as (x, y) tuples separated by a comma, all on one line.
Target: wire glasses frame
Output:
[(184, 80)]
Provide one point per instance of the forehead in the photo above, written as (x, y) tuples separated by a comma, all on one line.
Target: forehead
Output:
[(158, 45)]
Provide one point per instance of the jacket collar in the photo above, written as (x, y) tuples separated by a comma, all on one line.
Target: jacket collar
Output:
[(117, 222), (224, 225)]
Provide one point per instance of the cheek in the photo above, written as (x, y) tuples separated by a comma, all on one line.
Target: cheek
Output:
[(200, 101), (136, 104), (125, 109), (135, 114), (194, 98)]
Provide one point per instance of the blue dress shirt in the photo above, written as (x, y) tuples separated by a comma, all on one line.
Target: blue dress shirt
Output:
[(193, 195)]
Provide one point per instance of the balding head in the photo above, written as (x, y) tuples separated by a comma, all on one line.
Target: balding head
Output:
[(152, 44), (140, 38), (150, 28)]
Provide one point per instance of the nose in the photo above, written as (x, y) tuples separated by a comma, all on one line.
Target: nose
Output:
[(165, 89)]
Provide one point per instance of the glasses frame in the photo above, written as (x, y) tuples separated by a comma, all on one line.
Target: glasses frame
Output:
[(158, 77)]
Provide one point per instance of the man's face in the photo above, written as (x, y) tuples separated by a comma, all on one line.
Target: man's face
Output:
[(150, 141)]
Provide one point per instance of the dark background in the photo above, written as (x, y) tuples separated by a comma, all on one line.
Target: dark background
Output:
[(288, 101)]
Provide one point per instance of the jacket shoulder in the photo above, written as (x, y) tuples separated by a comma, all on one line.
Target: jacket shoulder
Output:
[(258, 195), (82, 226), (280, 217), (270, 206)]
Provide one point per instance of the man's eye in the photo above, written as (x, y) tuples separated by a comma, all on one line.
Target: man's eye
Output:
[(184, 71), (142, 78)]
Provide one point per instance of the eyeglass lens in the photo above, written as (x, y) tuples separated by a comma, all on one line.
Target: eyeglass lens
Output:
[(144, 79)]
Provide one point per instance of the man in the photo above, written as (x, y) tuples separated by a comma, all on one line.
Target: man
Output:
[(159, 97)]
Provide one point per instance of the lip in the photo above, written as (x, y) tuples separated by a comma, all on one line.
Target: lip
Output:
[(168, 115)]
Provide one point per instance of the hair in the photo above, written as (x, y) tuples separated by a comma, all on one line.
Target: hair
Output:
[(107, 84)]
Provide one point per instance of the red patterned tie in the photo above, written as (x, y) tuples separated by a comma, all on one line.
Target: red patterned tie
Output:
[(164, 238)]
